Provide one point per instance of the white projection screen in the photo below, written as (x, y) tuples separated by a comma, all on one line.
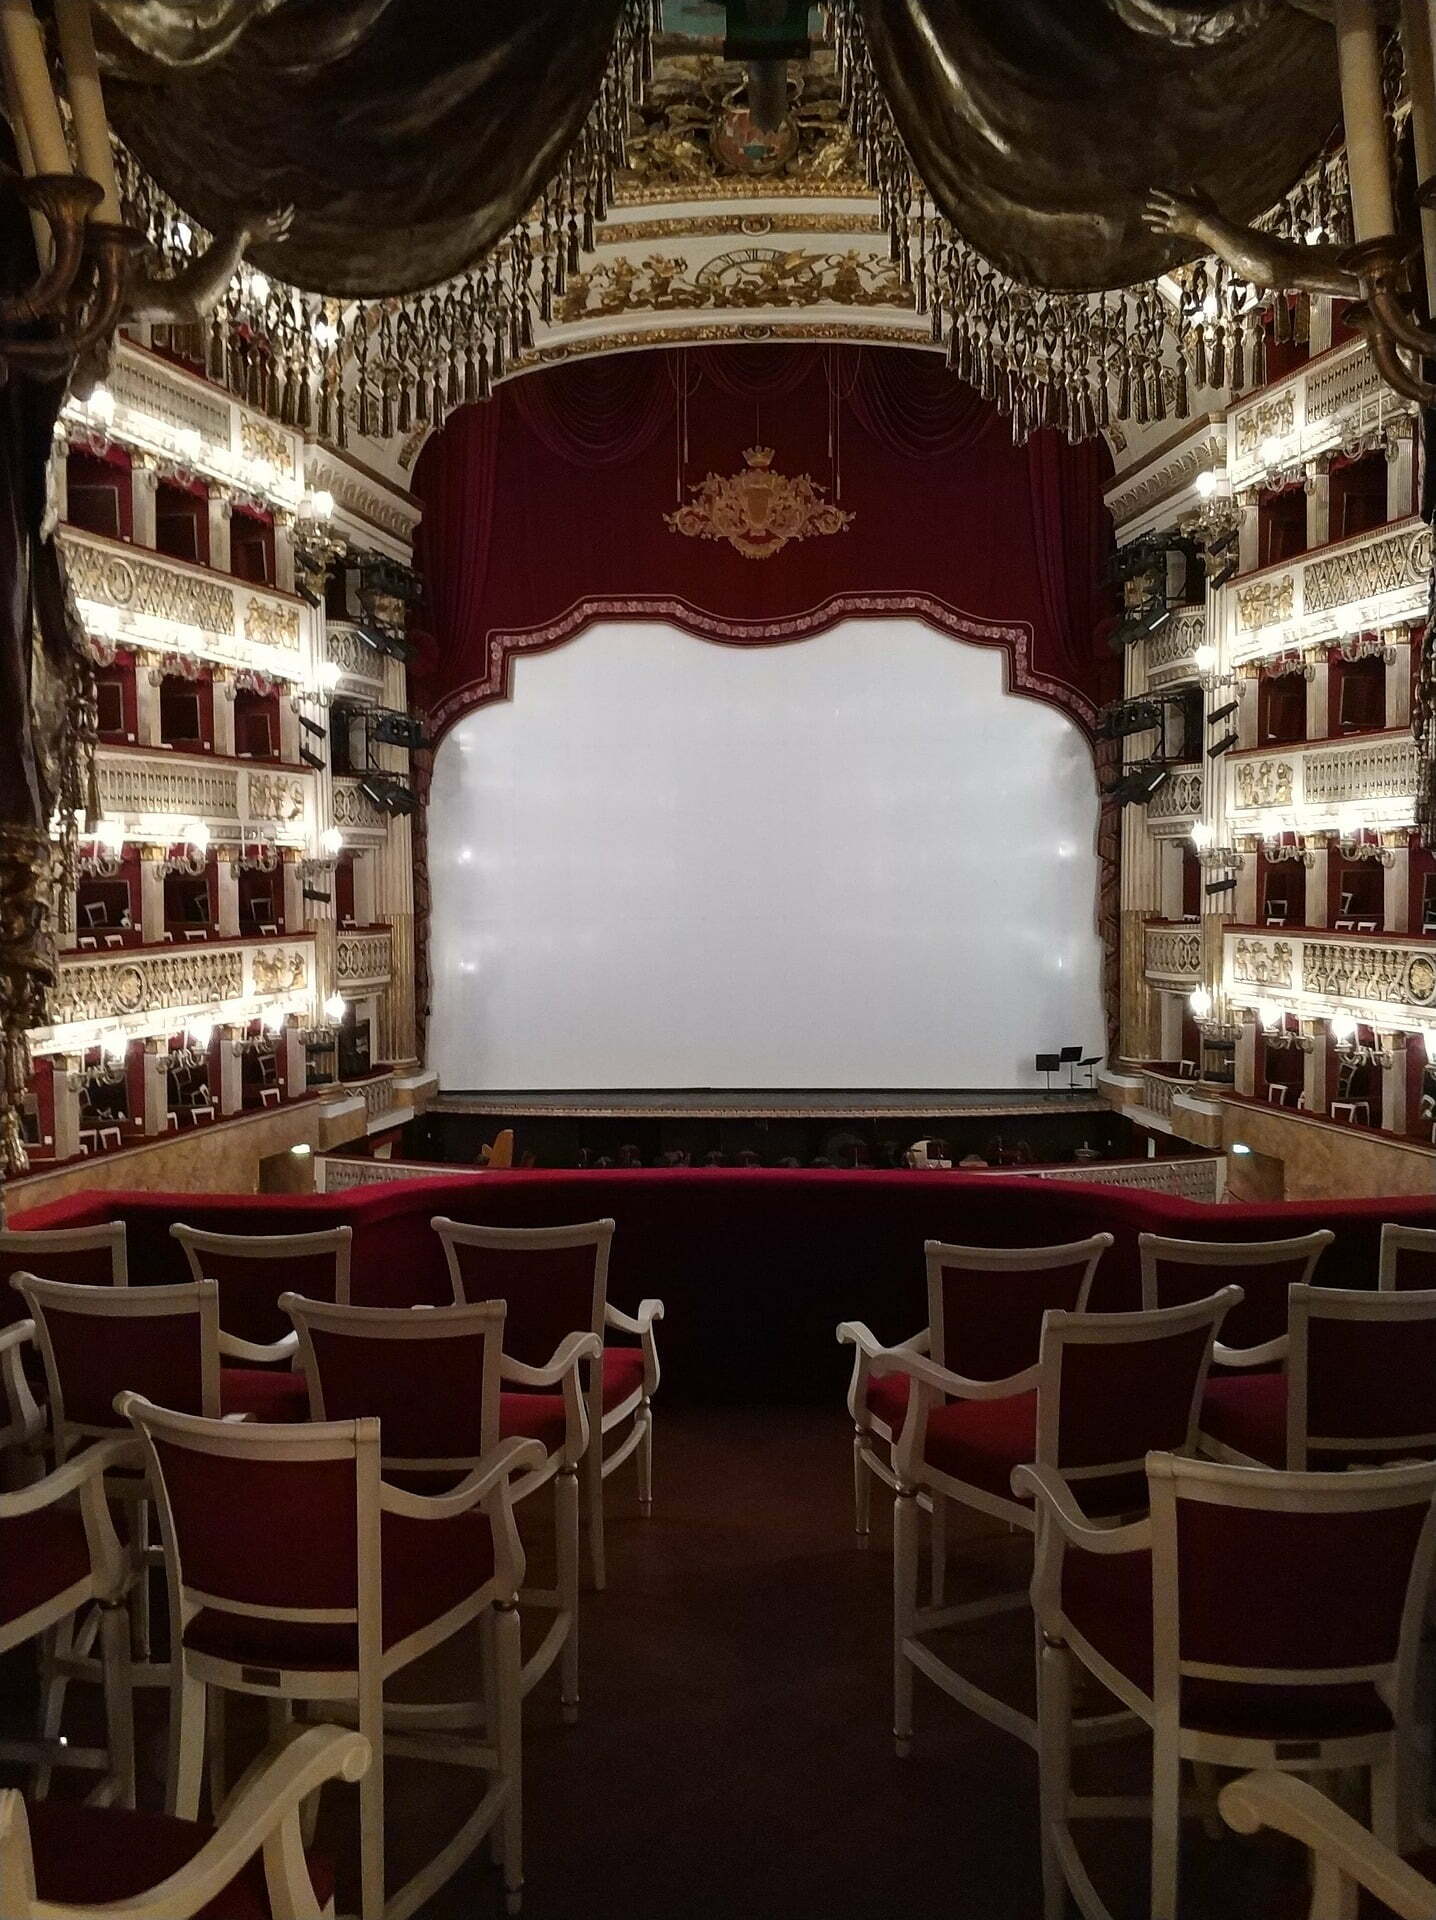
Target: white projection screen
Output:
[(851, 861)]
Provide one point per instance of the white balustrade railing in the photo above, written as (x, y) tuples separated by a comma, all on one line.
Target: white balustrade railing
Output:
[(1173, 955), (365, 958), (143, 988), (1377, 580), (1390, 978), (1313, 786), (1331, 402)]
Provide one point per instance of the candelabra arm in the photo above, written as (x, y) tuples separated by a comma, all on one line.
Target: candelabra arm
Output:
[(64, 202)]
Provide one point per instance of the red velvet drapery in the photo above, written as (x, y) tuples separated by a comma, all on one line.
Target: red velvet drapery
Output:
[(545, 508)]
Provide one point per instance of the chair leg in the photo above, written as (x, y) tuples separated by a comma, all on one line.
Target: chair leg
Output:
[(119, 1699), (58, 1645), (141, 1589), (1166, 1823), (645, 1459), (1386, 1808), (938, 1539), (215, 1732), (862, 1491), (905, 1558), (593, 1470), (565, 1527), (371, 1797), (508, 1741), (187, 1718), (1054, 1763)]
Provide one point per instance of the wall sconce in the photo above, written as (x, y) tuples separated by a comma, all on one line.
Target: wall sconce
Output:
[(336, 1006), (194, 855)]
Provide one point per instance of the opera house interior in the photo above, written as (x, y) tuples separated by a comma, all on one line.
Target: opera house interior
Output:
[(717, 730)]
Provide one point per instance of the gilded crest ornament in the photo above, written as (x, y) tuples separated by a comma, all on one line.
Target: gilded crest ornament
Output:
[(758, 511)]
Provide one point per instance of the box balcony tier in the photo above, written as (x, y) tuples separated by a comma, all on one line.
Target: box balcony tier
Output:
[(1172, 954), (361, 667), (1372, 581), (155, 407), (136, 597), (365, 958), (142, 990), (1172, 650), (153, 794), (362, 823), (1383, 979), (1314, 787), (1176, 806), (1317, 408)]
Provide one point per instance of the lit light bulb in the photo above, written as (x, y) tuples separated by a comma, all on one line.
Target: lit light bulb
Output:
[(1315, 235), (110, 834), (258, 284), (1200, 1002), (336, 1006), (1204, 658), (321, 504), (1269, 1013), (331, 841), (201, 1033), (195, 833), (274, 1021), (325, 333), (1343, 1028), (330, 674), (1210, 307), (1201, 835), (102, 403), (1271, 450), (1206, 483)]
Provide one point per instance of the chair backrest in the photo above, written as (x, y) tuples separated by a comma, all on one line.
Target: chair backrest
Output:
[(254, 1269), (1361, 1376), (281, 1523), (87, 1256), (554, 1280), (1408, 1257), (98, 1342), (1175, 1272), (1271, 1579), (430, 1375), (1114, 1387), (986, 1305)]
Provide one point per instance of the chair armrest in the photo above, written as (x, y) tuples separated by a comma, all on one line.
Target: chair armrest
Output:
[(918, 1366), (20, 1418), (118, 1450), (1260, 1356), (1341, 1846), (18, 1334), (857, 1333), (506, 1459), (234, 1348), (266, 1801), (571, 1349), (641, 1322), (1053, 1498)]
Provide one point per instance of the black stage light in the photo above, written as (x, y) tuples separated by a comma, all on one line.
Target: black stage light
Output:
[(307, 594), (1222, 886), (1138, 786), (398, 730), (311, 759), (313, 893), (1221, 542), (1222, 713), (312, 726), (1225, 572), (1224, 745), (1128, 716)]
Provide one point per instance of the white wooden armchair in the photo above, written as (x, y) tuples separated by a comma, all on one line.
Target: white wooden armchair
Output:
[(1346, 1860), (59, 1861)]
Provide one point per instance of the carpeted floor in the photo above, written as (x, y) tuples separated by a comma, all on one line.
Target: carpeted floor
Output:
[(733, 1754)]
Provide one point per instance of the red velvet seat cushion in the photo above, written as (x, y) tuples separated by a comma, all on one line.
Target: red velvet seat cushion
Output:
[(41, 1554), (85, 1856), (539, 1416), (622, 1374), (982, 1441), (1108, 1599), (887, 1400), (1247, 1412), (429, 1566), (264, 1393)]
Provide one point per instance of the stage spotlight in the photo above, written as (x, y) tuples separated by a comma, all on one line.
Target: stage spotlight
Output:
[(1222, 886), (398, 730), (1222, 713), (1225, 572), (1224, 745), (1128, 716), (1138, 786), (311, 759)]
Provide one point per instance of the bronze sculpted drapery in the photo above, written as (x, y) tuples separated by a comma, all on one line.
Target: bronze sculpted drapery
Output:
[(1039, 126), (409, 135)]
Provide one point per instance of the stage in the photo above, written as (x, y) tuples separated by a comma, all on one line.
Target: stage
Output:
[(773, 1126), (774, 1103)]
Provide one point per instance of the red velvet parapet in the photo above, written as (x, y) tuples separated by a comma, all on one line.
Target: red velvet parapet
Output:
[(755, 1267)]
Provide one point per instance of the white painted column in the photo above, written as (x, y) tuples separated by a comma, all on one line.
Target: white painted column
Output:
[(219, 516), (295, 1060), (1318, 877), (143, 482), (1246, 1054), (1318, 701), (230, 1090), (1398, 677), (152, 897), (147, 708), (227, 887), (1393, 1086), (1318, 508), (1246, 908), (1315, 1080), (1401, 468), (284, 552), (224, 714), (1246, 714), (1396, 892), (67, 1105), (1248, 534), (156, 1084)]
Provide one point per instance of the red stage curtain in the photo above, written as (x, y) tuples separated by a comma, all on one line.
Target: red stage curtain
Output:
[(554, 494)]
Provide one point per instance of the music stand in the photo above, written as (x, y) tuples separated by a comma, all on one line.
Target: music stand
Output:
[(1092, 1060), (1049, 1063), (1068, 1058)]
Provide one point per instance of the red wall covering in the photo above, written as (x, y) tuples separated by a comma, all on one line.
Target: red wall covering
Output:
[(755, 1268), (544, 508)]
